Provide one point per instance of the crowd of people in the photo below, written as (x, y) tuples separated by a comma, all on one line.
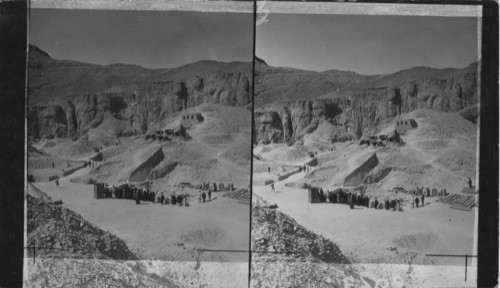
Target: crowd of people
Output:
[(353, 199), (303, 168), (215, 187), (145, 194)]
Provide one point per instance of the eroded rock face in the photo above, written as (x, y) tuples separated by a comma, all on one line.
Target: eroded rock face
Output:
[(47, 120), (358, 110), (269, 126), (139, 108)]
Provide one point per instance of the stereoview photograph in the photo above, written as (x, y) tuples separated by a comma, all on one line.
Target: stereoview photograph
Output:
[(139, 148), (365, 151)]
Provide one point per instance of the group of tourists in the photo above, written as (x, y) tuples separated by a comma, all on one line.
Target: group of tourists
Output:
[(415, 201), (181, 199), (126, 191), (421, 191), (340, 196), (305, 168), (144, 194), (353, 199), (202, 196), (214, 187), (394, 204)]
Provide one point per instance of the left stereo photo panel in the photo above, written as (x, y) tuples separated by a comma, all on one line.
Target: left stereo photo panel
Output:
[(139, 146)]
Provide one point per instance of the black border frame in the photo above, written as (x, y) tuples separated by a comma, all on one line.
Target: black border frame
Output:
[(13, 57)]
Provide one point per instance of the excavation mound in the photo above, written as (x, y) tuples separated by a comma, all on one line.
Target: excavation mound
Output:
[(141, 173), (356, 177), (59, 232), (274, 231), (37, 193)]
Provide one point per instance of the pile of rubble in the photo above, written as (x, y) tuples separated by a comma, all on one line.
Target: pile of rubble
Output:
[(51, 272), (312, 261), (273, 231), (55, 231)]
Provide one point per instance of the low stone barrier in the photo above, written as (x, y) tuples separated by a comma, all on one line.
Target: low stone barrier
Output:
[(284, 176), (72, 170)]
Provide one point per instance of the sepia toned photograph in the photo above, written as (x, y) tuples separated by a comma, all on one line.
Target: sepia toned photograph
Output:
[(139, 148), (365, 150)]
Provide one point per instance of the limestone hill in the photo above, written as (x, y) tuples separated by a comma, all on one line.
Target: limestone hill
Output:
[(218, 150), (71, 99), (289, 102)]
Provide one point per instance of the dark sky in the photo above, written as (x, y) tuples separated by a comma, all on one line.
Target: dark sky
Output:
[(367, 44), (151, 39)]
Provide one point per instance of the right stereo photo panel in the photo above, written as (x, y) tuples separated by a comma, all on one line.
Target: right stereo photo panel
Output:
[(365, 153)]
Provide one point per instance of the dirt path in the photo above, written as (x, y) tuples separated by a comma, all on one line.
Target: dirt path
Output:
[(365, 235), (163, 232)]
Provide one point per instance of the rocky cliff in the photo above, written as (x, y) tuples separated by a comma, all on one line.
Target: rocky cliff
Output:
[(362, 103), (76, 110)]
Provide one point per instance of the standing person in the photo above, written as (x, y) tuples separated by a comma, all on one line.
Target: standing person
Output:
[(393, 204), (162, 198), (53, 164), (376, 203), (209, 195), (204, 196), (470, 182), (268, 169), (423, 203), (199, 196), (300, 168), (57, 183), (351, 201), (173, 199), (136, 197), (417, 201), (272, 187), (428, 192)]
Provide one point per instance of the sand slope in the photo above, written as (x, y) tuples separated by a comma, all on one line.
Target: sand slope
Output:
[(439, 153)]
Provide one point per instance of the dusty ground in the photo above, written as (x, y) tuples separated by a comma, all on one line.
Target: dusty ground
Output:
[(365, 235), (166, 232), (440, 153), (219, 150)]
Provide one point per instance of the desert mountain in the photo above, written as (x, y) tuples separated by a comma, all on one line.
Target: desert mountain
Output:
[(289, 102), (68, 97)]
